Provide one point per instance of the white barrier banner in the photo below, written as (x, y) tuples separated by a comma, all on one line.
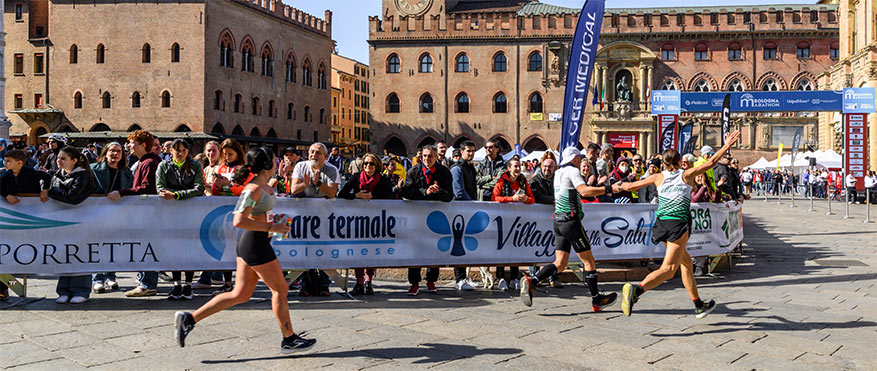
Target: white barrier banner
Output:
[(150, 233)]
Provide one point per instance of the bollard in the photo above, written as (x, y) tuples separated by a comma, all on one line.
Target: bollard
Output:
[(765, 192), (811, 198), (779, 196), (847, 212), (793, 196), (828, 195), (867, 206)]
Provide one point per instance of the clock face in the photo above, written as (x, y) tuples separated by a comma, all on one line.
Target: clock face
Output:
[(413, 7)]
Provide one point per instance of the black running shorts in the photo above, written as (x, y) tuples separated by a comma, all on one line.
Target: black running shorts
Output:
[(569, 232), (255, 248), (669, 230)]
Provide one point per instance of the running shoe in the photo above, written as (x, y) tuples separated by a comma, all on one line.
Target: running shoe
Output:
[(99, 287), (184, 323), (176, 293), (705, 310), (527, 289), (628, 298), (503, 285), (430, 287), (295, 344), (201, 286), (111, 285), (603, 301), (369, 290), (187, 292), (414, 290), (222, 289), (359, 289)]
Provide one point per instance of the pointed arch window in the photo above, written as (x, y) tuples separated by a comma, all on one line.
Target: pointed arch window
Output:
[(702, 86), (500, 62), (735, 85), (770, 85), (393, 64), (392, 103), (306, 76), (500, 103), (267, 62), (425, 63), (226, 51), (290, 68), (535, 62), (462, 63), (426, 105), (535, 103), (321, 77), (247, 58), (805, 85), (462, 105), (669, 85)]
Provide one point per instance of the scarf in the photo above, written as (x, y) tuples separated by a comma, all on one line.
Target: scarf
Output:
[(367, 183), (427, 173)]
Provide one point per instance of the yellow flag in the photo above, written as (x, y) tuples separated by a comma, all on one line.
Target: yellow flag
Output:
[(779, 154)]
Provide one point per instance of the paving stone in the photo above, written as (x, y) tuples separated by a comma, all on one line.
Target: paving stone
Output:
[(23, 352), (65, 340), (52, 365), (91, 355)]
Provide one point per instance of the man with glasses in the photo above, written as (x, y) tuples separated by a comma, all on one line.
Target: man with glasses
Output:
[(463, 183), (55, 143), (724, 177), (489, 171), (638, 170), (428, 180)]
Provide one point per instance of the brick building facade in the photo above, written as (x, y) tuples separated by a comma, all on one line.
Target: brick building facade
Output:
[(480, 70), (857, 67), (350, 99), (257, 70)]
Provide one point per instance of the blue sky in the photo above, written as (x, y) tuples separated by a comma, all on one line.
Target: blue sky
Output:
[(350, 17)]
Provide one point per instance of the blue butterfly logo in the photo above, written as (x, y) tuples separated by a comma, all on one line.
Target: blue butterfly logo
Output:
[(457, 233)]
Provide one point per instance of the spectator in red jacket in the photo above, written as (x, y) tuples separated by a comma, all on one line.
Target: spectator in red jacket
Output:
[(512, 187)]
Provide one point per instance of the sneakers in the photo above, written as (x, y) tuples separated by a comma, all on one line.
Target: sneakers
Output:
[(414, 290), (201, 286), (187, 292), (295, 344), (359, 289), (164, 277), (78, 300), (140, 291), (516, 285), (503, 285), (63, 299), (527, 289), (99, 287), (369, 290), (176, 293), (705, 310), (463, 285), (295, 285), (223, 289), (628, 298), (184, 323), (430, 287), (111, 285), (602, 301)]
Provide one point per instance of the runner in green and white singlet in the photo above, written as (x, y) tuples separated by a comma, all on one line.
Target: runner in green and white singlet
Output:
[(673, 227)]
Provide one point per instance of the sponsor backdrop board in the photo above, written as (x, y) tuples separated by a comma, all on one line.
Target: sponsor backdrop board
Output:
[(147, 234), (764, 101), (856, 154)]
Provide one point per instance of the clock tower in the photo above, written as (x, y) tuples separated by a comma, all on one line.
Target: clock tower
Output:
[(415, 7)]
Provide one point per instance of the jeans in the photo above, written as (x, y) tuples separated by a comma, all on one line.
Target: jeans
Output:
[(459, 273), (414, 275), (103, 277), (513, 273), (148, 280), (74, 286)]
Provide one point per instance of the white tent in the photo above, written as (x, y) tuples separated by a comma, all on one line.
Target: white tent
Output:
[(450, 153), (830, 159), (480, 154), (535, 155), (758, 165), (510, 154)]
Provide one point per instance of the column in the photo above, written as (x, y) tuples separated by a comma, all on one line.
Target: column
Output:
[(642, 144), (601, 137), (642, 83), (649, 74), (650, 145), (605, 81), (599, 71)]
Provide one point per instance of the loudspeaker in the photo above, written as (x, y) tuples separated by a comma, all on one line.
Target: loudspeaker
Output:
[(812, 161)]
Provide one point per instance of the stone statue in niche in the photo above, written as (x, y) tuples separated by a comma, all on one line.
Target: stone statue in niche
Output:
[(622, 90), (555, 63)]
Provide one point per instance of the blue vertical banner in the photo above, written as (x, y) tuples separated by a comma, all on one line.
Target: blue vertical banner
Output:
[(684, 137), (726, 118), (582, 54)]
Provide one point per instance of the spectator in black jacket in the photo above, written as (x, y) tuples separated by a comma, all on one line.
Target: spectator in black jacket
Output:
[(428, 180), (72, 184), (367, 184), (542, 183), (55, 142), (465, 189)]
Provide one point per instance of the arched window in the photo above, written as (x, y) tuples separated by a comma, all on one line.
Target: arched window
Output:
[(702, 86), (306, 76), (226, 51), (255, 133), (426, 103), (271, 112), (805, 84), (393, 64), (135, 100), (462, 63), (146, 53), (217, 129), (803, 50), (701, 52), (267, 61), (175, 53), (321, 77), (425, 63), (290, 68), (535, 63), (74, 54), (182, 129), (238, 103), (735, 85), (462, 105), (217, 100), (770, 85), (100, 127), (392, 103), (238, 130), (735, 51), (100, 54), (77, 100), (307, 113), (669, 85), (535, 103), (500, 62), (247, 51), (500, 103), (165, 99), (770, 50), (106, 100), (133, 128), (289, 109), (668, 52), (256, 105)]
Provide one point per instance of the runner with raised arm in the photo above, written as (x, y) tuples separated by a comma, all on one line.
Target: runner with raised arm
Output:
[(569, 188), (673, 226)]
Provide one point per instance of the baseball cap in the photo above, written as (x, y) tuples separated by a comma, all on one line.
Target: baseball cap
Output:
[(568, 154), (292, 150), (706, 150)]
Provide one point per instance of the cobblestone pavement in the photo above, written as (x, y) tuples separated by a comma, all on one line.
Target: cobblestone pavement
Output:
[(802, 297)]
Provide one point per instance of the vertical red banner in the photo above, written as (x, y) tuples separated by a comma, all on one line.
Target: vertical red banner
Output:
[(856, 146), (668, 132)]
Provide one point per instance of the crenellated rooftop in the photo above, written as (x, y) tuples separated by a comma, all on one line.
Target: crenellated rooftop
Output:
[(292, 15)]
